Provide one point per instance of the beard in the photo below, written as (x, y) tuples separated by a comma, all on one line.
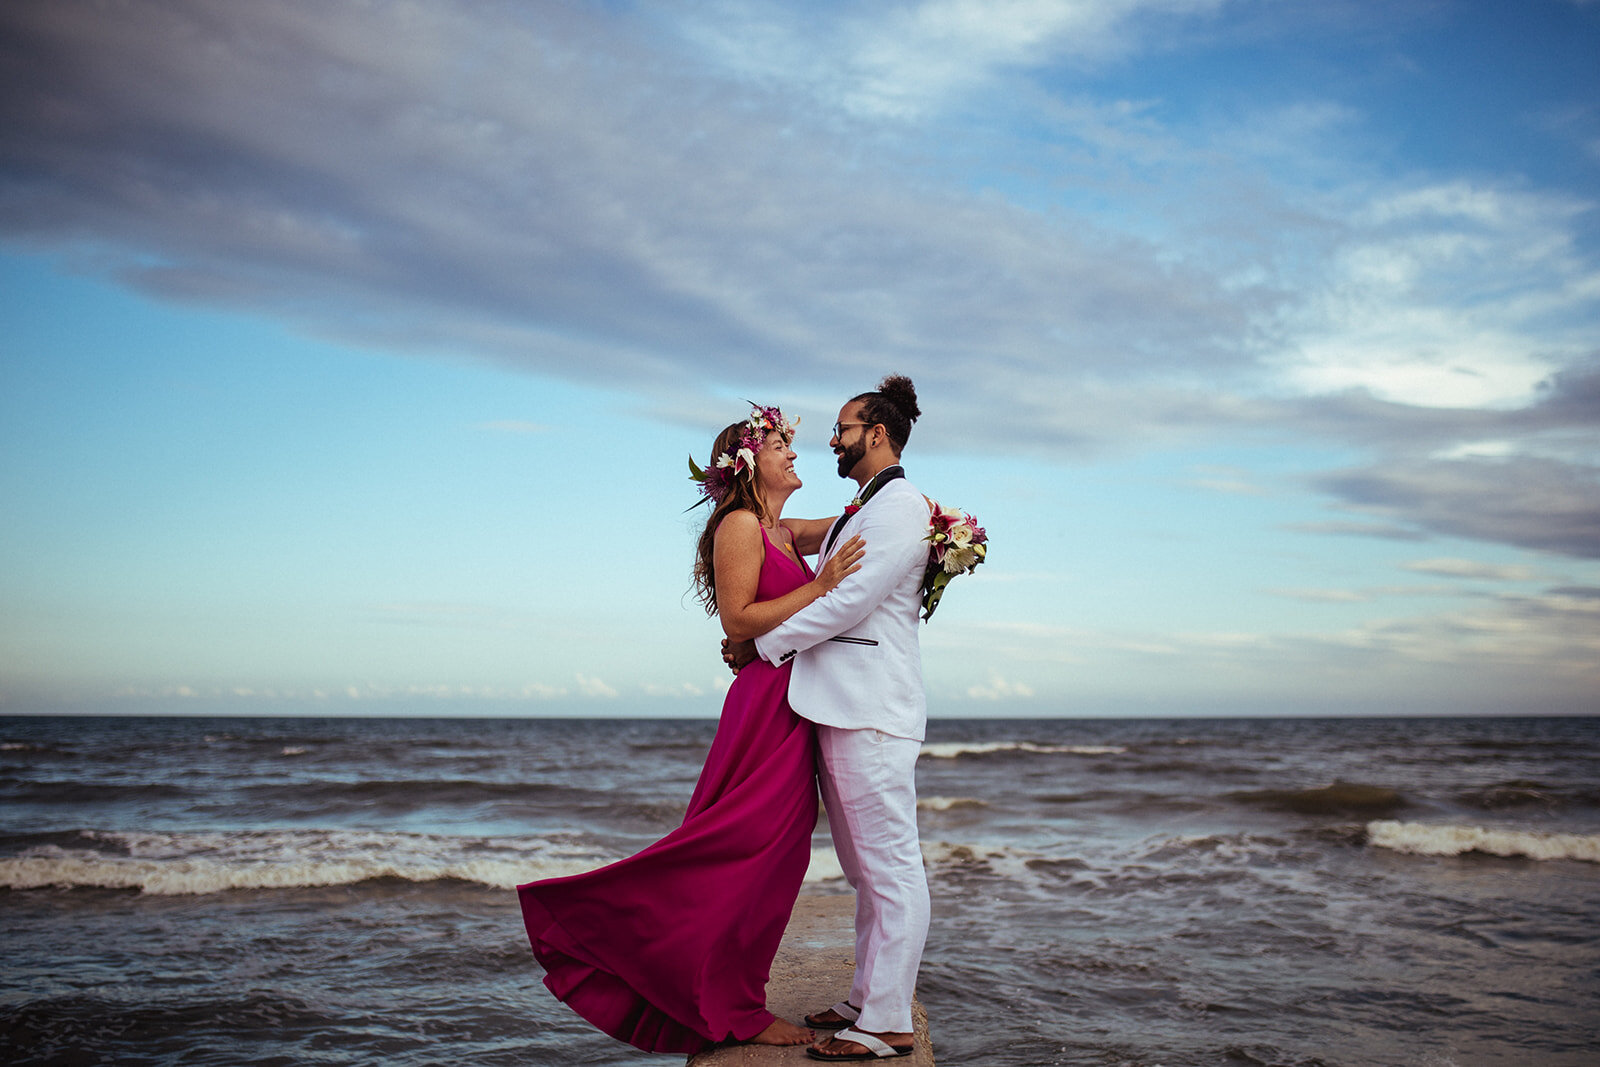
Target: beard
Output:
[(849, 456)]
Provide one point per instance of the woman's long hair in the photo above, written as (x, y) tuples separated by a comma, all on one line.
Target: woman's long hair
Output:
[(744, 492)]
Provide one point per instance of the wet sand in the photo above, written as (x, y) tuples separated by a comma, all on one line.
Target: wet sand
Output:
[(811, 971)]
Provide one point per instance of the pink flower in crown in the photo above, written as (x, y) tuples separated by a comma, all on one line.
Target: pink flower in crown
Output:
[(716, 481)]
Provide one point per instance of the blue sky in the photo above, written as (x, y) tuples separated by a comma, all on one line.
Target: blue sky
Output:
[(352, 352)]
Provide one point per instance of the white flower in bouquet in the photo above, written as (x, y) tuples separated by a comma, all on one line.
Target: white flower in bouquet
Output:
[(957, 544)]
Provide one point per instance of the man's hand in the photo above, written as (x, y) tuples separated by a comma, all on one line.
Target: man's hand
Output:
[(737, 654)]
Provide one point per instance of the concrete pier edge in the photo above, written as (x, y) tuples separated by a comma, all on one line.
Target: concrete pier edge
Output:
[(813, 970)]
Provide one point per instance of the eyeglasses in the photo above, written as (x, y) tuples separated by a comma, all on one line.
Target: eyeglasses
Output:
[(839, 427)]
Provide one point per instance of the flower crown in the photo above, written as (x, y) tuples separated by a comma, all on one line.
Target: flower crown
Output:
[(716, 480)]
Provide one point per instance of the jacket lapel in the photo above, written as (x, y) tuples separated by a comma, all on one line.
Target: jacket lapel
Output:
[(879, 480)]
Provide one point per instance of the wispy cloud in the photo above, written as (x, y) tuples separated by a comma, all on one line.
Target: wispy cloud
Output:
[(1467, 568), (903, 61), (1345, 528), (764, 197), (998, 688), (1230, 480), (458, 177), (1437, 290), (1528, 502), (594, 687)]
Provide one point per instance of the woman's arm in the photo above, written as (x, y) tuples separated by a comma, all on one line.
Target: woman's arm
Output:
[(808, 533), (896, 525), (737, 554)]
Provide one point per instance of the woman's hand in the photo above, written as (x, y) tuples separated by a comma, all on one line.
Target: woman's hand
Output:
[(841, 564)]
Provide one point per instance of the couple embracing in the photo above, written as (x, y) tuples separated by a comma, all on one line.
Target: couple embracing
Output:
[(670, 949)]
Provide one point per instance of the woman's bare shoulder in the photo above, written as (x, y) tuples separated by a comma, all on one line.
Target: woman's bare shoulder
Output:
[(741, 523)]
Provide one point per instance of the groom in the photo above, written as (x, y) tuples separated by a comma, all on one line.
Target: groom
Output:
[(858, 675)]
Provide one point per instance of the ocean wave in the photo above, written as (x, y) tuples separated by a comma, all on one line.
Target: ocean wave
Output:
[(949, 803), (690, 745), (824, 866), (27, 791), (937, 856), (404, 793), (1230, 847), (1338, 798), (177, 864), (1528, 793), (1424, 839), (70, 1025), (954, 749), (977, 857)]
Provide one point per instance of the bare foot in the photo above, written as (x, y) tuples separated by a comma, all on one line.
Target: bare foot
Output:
[(783, 1032)]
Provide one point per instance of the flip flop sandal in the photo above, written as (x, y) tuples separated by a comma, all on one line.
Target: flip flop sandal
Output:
[(876, 1049), (842, 1009)]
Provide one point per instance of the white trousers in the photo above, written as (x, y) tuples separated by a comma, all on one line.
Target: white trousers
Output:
[(869, 789)]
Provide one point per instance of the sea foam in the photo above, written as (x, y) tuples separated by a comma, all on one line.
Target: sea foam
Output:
[(1424, 839), (953, 749), (949, 803), (172, 864)]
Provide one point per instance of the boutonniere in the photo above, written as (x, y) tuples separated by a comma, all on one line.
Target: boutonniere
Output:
[(956, 545), (852, 507)]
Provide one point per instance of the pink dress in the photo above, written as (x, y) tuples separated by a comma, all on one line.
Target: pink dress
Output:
[(669, 950)]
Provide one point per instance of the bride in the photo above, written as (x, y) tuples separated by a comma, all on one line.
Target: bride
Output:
[(670, 949)]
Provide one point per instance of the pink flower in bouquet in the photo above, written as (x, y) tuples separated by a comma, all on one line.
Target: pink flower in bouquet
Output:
[(957, 544)]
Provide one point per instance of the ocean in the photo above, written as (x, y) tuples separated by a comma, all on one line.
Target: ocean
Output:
[(1138, 892)]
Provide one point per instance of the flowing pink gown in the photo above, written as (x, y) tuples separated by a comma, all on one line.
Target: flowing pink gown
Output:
[(669, 950)]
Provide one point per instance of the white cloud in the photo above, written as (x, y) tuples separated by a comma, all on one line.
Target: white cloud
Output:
[(1467, 568), (1479, 450), (923, 54), (998, 688), (904, 61), (1451, 295), (594, 687)]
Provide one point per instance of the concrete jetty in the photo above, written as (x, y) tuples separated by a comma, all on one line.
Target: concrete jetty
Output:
[(812, 970)]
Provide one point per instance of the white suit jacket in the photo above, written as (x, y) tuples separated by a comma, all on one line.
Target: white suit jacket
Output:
[(857, 658)]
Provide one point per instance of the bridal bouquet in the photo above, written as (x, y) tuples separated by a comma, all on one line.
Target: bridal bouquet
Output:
[(957, 544)]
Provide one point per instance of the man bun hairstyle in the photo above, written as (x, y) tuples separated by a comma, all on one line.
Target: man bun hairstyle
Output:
[(894, 405)]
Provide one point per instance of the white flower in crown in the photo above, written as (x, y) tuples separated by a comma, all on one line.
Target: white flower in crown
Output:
[(716, 480)]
